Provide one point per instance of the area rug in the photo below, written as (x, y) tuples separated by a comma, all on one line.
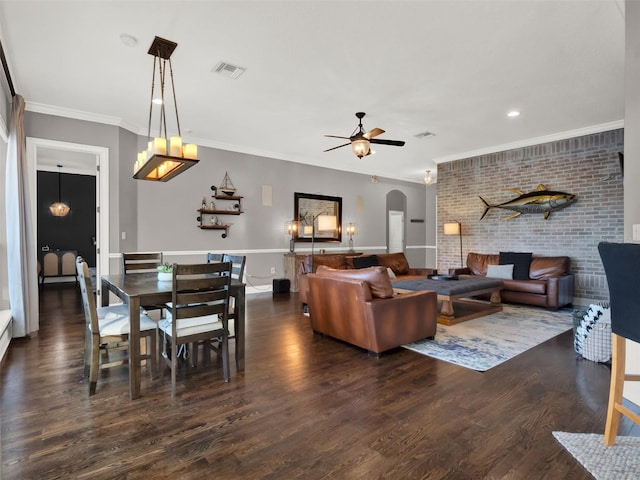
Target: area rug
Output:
[(485, 342), (619, 462)]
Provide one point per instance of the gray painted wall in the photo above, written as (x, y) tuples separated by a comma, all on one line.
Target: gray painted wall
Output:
[(162, 216), (4, 279), (632, 118)]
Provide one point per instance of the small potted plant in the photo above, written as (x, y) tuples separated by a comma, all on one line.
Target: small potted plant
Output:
[(165, 273)]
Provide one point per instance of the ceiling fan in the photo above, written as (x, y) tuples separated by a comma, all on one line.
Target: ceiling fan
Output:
[(360, 141)]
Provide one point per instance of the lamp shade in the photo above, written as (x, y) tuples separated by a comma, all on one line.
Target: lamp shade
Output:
[(327, 222), (360, 147), (452, 228)]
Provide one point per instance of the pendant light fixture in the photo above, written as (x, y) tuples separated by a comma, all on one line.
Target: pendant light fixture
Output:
[(165, 156), (59, 209), (428, 179)]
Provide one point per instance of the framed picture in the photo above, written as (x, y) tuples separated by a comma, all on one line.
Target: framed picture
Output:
[(319, 217)]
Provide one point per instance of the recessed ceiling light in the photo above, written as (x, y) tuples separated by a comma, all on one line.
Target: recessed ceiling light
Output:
[(513, 113), (128, 40)]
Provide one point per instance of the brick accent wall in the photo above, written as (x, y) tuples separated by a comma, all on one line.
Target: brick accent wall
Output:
[(577, 166)]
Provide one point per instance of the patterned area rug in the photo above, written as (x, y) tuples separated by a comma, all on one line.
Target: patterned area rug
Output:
[(483, 343), (620, 462)]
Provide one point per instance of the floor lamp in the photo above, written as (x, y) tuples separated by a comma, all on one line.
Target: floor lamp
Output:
[(325, 222), (455, 228)]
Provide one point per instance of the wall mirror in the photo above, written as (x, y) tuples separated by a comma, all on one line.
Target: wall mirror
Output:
[(319, 217)]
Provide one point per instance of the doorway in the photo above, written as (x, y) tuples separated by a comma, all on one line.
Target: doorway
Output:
[(44, 154)]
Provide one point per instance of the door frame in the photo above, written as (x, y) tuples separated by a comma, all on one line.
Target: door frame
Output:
[(99, 168)]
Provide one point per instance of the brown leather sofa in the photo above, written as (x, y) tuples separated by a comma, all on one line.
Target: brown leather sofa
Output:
[(397, 262), (550, 282), (360, 308)]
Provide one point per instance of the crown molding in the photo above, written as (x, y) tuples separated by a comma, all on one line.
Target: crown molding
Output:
[(579, 132), (79, 115)]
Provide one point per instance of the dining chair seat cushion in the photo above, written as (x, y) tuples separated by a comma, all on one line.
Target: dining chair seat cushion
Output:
[(190, 326), (114, 320)]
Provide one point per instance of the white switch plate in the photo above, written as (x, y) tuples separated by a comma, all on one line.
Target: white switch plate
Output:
[(636, 232), (124, 235)]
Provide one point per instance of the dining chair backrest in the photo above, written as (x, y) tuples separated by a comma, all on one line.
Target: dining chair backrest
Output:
[(141, 262), (214, 257), (200, 290), (237, 266), (86, 289), (621, 263)]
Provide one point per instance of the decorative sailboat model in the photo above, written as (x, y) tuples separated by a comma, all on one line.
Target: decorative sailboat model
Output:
[(227, 186)]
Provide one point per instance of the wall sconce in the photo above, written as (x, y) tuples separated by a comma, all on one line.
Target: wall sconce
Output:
[(351, 231), (455, 228), (165, 157), (59, 209), (291, 229)]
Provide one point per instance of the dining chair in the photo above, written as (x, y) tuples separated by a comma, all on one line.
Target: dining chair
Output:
[(197, 314), (107, 330), (237, 273), (621, 263), (214, 257), (141, 262), (135, 262)]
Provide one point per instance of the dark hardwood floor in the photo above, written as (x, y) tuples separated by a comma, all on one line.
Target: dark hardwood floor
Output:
[(306, 407)]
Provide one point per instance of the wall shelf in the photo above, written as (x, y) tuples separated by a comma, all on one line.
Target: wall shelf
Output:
[(208, 214)]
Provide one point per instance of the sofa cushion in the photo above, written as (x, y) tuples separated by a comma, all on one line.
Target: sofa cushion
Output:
[(477, 262), (520, 261), (538, 287), (500, 271), (547, 267), (365, 261), (396, 261), (376, 277)]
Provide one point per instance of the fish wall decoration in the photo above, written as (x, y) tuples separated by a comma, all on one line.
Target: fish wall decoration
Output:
[(540, 200)]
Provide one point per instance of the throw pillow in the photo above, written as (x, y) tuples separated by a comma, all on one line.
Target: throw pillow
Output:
[(520, 262), (500, 271), (365, 261)]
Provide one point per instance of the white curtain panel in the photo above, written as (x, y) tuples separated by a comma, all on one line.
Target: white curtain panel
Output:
[(21, 251)]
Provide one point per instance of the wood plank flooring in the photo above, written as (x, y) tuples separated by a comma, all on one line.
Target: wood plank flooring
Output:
[(306, 407)]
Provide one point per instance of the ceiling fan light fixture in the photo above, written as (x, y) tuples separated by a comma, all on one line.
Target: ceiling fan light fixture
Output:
[(360, 147)]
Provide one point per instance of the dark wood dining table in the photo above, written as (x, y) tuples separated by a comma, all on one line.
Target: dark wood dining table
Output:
[(145, 289)]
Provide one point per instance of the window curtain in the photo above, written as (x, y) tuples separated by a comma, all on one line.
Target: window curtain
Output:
[(21, 252)]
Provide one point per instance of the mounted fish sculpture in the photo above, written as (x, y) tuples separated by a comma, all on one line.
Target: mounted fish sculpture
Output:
[(540, 200)]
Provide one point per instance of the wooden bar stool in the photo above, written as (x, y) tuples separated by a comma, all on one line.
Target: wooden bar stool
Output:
[(621, 263)]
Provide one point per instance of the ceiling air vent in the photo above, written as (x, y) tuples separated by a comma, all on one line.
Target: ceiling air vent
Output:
[(424, 135), (228, 70)]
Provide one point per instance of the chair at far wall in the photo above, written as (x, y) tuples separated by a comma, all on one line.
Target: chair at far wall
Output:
[(621, 263), (141, 262), (237, 273), (107, 330), (134, 263), (214, 257)]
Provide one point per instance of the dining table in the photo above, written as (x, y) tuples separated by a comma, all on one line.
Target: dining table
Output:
[(140, 289)]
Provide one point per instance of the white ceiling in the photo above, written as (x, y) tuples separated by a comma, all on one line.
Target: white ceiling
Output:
[(454, 68)]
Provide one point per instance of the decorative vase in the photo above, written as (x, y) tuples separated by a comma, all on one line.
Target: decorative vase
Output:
[(165, 276)]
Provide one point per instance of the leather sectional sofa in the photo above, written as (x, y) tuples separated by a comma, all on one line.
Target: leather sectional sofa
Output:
[(397, 262), (549, 282), (359, 307)]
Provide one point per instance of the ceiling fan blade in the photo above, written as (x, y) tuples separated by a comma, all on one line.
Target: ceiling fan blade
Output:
[(339, 146), (373, 133), (380, 141), (336, 136)]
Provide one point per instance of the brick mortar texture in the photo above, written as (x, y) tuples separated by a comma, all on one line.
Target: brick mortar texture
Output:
[(577, 166)]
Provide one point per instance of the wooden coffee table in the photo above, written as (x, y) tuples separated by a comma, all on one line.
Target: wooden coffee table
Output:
[(453, 308)]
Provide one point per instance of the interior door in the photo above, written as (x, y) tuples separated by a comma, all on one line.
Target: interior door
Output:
[(396, 231)]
